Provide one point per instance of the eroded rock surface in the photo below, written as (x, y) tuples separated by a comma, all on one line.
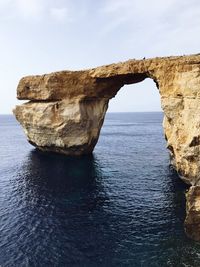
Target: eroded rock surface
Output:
[(66, 109), (192, 221)]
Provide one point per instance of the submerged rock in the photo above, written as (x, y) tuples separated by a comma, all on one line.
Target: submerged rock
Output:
[(66, 109)]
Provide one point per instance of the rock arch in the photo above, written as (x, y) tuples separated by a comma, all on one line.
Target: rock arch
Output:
[(66, 110)]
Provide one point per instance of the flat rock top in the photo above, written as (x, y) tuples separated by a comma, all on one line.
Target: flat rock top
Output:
[(135, 65), (96, 82)]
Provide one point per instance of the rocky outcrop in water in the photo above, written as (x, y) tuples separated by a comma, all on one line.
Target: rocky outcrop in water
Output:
[(192, 221), (66, 109)]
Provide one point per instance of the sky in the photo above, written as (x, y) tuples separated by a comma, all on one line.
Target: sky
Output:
[(42, 36)]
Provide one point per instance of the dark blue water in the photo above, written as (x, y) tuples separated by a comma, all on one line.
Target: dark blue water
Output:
[(123, 206)]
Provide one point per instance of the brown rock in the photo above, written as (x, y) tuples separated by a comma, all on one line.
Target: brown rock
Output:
[(192, 221), (67, 108)]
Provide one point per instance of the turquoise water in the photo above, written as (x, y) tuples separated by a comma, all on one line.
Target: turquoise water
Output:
[(121, 206)]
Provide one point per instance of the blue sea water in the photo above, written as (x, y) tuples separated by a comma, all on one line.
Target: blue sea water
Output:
[(121, 206)]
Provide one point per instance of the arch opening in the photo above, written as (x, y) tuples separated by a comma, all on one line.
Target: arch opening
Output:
[(139, 97)]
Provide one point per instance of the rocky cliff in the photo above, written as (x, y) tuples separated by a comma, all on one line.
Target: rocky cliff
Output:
[(66, 110)]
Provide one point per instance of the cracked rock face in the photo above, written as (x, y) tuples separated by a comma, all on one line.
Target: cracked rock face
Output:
[(66, 109), (69, 126), (192, 221)]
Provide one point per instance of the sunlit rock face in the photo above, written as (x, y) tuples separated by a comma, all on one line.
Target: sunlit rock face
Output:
[(66, 109), (71, 127)]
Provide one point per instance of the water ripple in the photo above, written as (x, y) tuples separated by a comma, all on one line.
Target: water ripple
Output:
[(123, 206)]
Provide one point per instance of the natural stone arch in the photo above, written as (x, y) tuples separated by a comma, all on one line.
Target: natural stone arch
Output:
[(66, 109)]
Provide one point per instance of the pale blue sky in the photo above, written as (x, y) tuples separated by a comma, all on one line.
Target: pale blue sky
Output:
[(41, 36)]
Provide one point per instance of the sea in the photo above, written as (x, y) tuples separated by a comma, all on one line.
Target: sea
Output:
[(121, 206)]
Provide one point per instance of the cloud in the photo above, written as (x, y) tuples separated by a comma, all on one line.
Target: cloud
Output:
[(136, 14), (172, 25), (35, 10), (112, 6), (59, 14), (30, 8)]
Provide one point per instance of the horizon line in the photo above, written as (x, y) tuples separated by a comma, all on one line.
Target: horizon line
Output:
[(145, 111)]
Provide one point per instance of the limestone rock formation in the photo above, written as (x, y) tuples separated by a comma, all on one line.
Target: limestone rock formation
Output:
[(66, 109), (192, 221)]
